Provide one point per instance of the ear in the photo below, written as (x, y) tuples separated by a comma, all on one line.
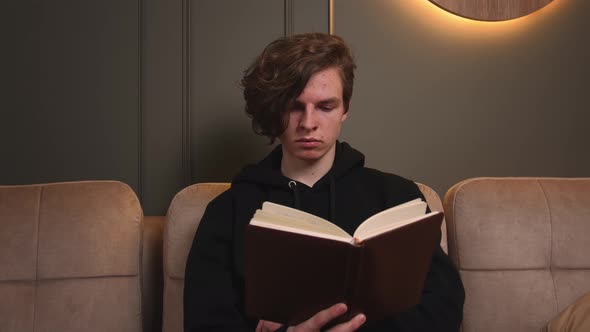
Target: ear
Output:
[(346, 110)]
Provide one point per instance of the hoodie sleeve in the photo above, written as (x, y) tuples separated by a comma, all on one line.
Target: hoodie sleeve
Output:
[(441, 307), (212, 295)]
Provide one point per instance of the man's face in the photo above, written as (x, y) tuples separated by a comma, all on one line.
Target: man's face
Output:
[(315, 118)]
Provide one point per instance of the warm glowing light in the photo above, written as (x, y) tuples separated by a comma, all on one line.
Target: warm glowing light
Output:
[(491, 10), (440, 21)]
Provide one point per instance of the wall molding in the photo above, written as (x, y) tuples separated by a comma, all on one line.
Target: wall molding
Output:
[(331, 17), (140, 124), (186, 93), (289, 18)]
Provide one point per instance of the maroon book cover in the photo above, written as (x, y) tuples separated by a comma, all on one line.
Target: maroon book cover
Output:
[(289, 277)]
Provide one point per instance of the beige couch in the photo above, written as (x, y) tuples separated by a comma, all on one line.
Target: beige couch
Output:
[(70, 257), (522, 246), (80, 256)]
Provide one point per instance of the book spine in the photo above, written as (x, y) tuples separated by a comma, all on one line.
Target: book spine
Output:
[(353, 272)]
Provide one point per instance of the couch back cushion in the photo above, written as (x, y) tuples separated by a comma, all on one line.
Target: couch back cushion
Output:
[(435, 204), (521, 246), (70, 257), (184, 216)]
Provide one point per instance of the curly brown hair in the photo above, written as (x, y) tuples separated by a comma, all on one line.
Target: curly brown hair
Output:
[(281, 72)]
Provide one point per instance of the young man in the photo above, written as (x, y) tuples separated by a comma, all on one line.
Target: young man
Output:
[(299, 90)]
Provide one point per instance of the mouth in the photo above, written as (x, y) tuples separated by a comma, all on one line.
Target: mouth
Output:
[(308, 143), (308, 140)]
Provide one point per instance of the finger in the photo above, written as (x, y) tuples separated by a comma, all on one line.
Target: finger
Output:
[(264, 326), (325, 316), (272, 326), (351, 325)]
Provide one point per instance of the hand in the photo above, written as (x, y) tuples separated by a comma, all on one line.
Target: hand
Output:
[(317, 321)]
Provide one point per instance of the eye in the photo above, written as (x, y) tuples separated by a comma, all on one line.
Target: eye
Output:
[(326, 108)]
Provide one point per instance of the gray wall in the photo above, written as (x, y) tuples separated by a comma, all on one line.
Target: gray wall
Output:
[(140, 91), (165, 165), (64, 115), (145, 91), (226, 36), (440, 98), (95, 90)]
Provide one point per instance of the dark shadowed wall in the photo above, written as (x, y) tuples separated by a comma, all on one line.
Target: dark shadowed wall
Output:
[(70, 97)]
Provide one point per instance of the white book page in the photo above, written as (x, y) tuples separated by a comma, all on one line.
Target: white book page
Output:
[(267, 217), (392, 216), (376, 231), (304, 218), (284, 228)]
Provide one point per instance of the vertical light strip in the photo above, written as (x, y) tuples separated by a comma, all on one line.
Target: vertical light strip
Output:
[(331, 17)]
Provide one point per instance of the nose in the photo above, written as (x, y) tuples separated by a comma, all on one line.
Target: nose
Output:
[(308, 120)]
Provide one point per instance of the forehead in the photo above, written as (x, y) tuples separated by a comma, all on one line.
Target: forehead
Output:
[(326, 83)]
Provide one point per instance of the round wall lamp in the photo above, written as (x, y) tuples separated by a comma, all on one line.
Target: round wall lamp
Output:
[(491, 10)]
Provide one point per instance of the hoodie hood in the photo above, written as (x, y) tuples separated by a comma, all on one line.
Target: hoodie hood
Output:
[(268, 171), (267, 174)]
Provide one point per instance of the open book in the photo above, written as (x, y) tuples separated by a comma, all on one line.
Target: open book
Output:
[(297, 264), (280, 217)]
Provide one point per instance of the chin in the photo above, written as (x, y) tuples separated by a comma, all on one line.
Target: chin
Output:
[(310, 155)]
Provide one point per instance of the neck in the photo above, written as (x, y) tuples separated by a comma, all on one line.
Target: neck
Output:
[(307, 172)]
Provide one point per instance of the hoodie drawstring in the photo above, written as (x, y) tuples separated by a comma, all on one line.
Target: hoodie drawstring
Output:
[(297, 201)]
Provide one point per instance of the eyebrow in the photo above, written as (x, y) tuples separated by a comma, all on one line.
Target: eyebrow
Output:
[(333, 100), (329, 101)]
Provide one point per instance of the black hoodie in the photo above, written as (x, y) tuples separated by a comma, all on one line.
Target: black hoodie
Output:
[(347, 195)]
